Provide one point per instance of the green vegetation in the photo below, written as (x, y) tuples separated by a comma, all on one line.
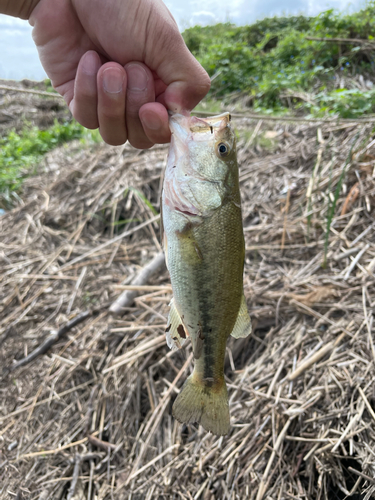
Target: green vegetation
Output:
[(20, 152), (279, 69), (270, 66)]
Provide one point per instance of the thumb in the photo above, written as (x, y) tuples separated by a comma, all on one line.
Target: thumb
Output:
[(187, 81)]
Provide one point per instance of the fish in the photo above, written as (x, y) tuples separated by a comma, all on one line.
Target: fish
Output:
[(204, 250)]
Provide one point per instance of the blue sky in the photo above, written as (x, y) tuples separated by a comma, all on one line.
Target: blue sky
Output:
[(19, 58)]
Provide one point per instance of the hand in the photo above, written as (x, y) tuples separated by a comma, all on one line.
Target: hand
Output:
[(119, 64)]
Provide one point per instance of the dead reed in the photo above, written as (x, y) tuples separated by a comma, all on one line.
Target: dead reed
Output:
[(91, 417)]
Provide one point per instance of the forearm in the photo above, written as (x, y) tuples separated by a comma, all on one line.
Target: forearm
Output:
[(18, 8)]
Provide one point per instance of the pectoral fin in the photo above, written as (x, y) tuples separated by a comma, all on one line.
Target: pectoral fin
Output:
[(175, 331), (242, 327)]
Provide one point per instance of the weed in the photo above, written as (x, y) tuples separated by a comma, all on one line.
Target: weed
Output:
[(20, 153)]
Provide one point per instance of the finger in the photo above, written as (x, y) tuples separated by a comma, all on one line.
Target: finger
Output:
[(140, 90), (85, 101), (186, 80), (160, 86), (111, 83), (154, 118), (188, 89)]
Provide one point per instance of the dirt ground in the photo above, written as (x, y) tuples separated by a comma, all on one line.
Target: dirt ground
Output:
[(91, 417)]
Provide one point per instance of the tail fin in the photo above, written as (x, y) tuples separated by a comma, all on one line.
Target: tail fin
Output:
[(197, 402)]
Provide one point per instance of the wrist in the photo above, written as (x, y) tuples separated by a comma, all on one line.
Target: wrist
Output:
[(18, 8)]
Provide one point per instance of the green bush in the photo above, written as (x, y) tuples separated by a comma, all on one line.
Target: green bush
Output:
[(351, 103), (273, 57)]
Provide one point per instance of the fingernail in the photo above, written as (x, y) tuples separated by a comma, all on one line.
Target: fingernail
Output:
[(152, 121), (137, 77), (90, 64), (113, 80)]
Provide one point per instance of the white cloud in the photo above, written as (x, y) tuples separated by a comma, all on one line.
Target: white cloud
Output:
[(204, 13), (203, 17), (14, 22), (18, 55)]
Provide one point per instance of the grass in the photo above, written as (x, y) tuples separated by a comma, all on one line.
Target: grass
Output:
[(21, 152), (210, 105)]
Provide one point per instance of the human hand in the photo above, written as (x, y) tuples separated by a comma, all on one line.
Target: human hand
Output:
[(119, 64)]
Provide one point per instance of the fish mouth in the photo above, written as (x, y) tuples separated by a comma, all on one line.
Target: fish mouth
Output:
[(217, 120), (213, 124), (183, 126)]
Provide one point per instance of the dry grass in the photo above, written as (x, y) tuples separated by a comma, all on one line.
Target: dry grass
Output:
[(92, 417)]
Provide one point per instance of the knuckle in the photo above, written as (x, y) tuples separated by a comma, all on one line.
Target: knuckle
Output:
[(206, 82), (112, 113)]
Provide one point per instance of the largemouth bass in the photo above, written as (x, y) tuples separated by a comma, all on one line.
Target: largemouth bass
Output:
[(204, 249)]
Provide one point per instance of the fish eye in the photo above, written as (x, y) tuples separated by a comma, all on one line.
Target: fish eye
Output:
[(223, 149)]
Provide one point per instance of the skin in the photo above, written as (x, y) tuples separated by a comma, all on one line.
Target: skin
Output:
[(122, 74)]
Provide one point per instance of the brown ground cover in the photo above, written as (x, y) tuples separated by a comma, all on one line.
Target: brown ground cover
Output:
[(91, 418)]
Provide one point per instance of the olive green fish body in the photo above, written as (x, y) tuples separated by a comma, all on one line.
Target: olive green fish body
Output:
[(205, 259), (204, 247)]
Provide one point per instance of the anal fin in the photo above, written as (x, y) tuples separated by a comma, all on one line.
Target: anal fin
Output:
[(242, 327), (175, 331)]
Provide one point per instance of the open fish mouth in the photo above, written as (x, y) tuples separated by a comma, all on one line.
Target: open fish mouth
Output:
[(184, 127), (217, 121)]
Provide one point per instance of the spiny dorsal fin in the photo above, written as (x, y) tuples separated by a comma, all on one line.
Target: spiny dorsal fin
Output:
[(175, 331), (242, 327)]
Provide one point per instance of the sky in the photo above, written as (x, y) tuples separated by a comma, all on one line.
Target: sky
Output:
[(19, 57)]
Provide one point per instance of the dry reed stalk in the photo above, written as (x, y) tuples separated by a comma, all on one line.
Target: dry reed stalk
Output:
[(114, 378)]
